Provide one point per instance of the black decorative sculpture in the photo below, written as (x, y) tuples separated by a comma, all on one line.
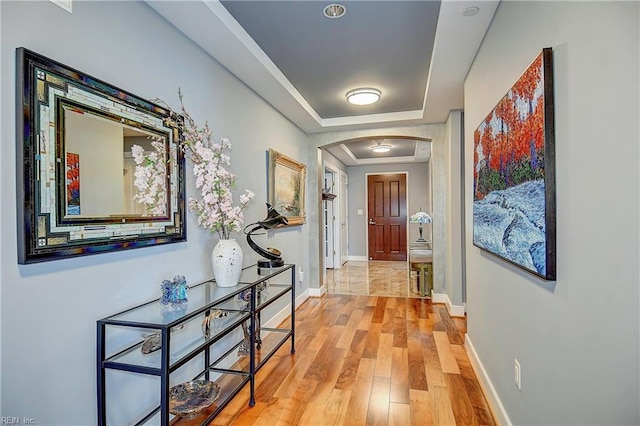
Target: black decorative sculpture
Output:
[(272, 256)]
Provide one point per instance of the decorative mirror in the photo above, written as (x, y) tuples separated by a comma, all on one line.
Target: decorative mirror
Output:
[(78, 179)]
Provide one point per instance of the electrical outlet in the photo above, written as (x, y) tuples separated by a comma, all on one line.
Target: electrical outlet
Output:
[(517, 374), (300, 275)]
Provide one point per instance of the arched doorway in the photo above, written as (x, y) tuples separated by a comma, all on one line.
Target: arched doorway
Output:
[(317, 147)]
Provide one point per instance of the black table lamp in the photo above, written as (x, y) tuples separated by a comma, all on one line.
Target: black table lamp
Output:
[(272, 256)]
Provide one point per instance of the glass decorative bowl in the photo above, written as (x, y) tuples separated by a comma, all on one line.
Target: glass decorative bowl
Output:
[(188, 399), (174, 292)]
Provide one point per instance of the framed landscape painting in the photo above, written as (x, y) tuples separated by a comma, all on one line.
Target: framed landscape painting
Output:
[(514, 174), (286, 187)]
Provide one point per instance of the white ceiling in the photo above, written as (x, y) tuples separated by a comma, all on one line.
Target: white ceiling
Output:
[(416, 52)]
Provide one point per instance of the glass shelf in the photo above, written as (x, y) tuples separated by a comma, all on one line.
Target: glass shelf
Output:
[(271, 293), (231, 361), (272, 339), (230, 385), (203, 295), (183, 341)]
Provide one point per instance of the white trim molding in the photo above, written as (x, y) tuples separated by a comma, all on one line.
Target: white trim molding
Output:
[(485, 383), (454, 310), (285, 313), (316, 292), (358, 258)]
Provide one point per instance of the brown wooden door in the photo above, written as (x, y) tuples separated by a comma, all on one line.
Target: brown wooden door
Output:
[(387, 216)]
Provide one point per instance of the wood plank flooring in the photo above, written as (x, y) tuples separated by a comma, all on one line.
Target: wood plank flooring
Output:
[(366, 360)]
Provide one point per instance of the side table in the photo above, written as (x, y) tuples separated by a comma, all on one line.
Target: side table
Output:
[(421, 260)]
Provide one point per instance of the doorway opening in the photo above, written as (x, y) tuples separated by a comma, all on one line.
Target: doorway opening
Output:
[(334, 217)]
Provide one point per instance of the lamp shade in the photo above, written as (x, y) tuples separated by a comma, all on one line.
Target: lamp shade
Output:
[(420, 217)]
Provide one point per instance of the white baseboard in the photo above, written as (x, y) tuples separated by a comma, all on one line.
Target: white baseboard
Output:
[(485, 383), (317, 292), (440, 298), (358, 258), (454, 310), (286, 311)]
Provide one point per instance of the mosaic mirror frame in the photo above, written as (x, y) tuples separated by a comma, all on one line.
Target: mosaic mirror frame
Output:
[(50, 225)]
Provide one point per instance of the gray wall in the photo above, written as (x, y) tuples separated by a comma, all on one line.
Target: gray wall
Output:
[(455, 274), (418, 182), (328, 158), (49, 310), (576, 338)]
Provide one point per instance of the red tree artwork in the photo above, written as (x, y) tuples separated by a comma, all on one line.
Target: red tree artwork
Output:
[(73, 183), (513, 174), (509, 143)]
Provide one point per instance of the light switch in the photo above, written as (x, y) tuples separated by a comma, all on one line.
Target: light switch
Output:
[(360, 212)]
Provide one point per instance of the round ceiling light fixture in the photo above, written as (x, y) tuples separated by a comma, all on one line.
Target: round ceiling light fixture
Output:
[(471, 10), (334, 11), (379, 147), (363, 96)]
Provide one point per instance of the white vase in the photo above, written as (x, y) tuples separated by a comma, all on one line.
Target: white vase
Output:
[(226, 262)]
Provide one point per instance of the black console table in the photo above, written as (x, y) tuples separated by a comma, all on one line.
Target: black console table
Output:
[(184, 347)]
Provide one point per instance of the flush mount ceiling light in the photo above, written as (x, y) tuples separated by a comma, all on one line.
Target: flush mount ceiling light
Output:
[(470, 11), (334, 11), (363, 96), (380, 148)]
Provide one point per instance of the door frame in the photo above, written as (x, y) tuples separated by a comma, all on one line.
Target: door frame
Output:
[(336, 214), (343, 205), (366, 203)]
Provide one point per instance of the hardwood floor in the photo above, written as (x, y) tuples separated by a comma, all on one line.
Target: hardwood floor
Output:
[(366, 360)]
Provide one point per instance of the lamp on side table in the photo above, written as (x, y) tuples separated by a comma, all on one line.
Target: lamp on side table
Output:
[(420, 218)]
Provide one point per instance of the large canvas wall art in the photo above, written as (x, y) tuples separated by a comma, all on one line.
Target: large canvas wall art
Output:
[(514, 174)]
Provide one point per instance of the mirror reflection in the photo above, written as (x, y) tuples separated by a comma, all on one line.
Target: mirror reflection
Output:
[(100, 167), (82, 184)]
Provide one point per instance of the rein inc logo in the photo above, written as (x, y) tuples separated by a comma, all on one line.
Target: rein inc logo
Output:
[(17, 421)]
